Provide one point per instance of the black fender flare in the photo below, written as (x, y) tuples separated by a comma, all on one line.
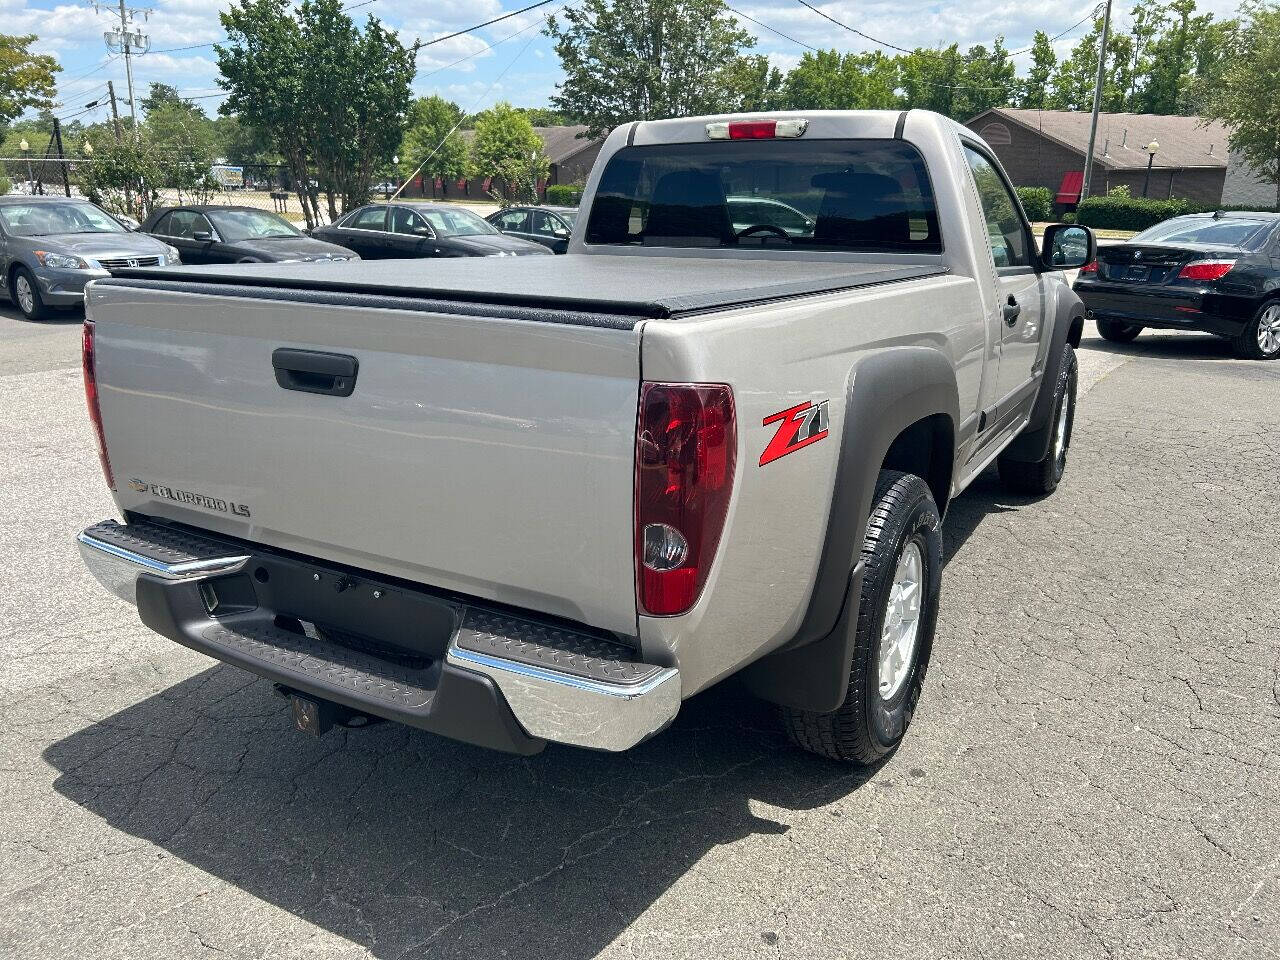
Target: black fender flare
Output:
[(1032, 445), (887, 392)]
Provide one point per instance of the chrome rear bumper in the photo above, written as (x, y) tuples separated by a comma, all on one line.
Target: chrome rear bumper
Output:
[(558, 684)]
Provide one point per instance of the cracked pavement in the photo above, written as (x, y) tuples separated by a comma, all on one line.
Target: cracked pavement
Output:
[(1093, 771)]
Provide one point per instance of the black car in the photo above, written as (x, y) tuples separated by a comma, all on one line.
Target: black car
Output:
[(549, 226), (1217, 272), (388, 231), (211, 234)]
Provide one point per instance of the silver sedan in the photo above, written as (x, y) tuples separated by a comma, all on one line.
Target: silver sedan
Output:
[(50, 247)]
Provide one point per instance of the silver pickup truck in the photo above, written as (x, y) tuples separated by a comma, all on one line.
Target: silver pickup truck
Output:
[(546, 499)]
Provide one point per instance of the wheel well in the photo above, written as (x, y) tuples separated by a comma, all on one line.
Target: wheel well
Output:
[(926, 449), (1076, 331)]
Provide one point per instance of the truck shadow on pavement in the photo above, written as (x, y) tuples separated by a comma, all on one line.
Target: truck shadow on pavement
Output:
[(412, 845)]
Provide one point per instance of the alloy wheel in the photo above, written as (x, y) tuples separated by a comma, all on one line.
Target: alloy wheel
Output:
[(901, 621), (26, 296), (1269, 329)]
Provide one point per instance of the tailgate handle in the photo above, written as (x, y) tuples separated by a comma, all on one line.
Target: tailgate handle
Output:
[(313, 371)]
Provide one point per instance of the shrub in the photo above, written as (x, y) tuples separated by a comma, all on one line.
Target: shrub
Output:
[(564, 194), (1128, 213), (1037, 202), (1118, 212)]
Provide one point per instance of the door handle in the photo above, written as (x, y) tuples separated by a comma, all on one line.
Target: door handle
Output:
[(1011, 311), (312, 371)]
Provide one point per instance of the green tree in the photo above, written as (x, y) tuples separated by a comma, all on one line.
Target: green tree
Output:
[(1246, 97), (829, 80), (1077, 75), (506, 148), (1171, 62), (432, 140), (1033, 92), (987, 79), (544, 116), (26, 78), (629, 60), (928, 78), (334, 96), (754, 85)]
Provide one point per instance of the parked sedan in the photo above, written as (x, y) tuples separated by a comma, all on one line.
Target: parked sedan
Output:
[(1217, 272), (213, 234), (388, 231), (50, 247), (549, 226)]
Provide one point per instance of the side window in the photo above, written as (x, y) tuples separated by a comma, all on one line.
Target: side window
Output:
[(164, 226), (515, 220), (186, 224), (545, 224), (1009, 244), (406, 221), (370, 218)]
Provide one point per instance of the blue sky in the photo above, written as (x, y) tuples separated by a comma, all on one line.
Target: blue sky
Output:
[(521, 67)]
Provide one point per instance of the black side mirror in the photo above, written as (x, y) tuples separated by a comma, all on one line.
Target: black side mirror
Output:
[(562, 233), (1067, 246), (202, 236)]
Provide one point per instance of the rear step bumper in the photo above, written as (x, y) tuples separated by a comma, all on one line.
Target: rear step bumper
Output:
[(456, 668)]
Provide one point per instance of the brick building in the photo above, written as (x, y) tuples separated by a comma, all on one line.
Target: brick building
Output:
[(1044, 148), (571, 157)]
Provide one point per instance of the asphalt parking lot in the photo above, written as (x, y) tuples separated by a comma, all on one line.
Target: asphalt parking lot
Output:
[(1093, 771)]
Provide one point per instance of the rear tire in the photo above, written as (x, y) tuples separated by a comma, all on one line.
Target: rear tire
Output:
[(1042, 477), (1260, 338), (902, 554), (25, 293), (1118, 332)]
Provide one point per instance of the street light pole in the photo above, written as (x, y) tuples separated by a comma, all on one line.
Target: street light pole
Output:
[(26, 153), (1097, 101), (1152, 147)]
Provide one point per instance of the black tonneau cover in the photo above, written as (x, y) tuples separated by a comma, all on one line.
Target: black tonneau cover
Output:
[(586, 287)]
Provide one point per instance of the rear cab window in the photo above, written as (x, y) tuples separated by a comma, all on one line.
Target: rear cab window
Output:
[(849, 196)]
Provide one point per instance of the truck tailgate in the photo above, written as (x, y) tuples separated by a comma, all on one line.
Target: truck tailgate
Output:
[(481, 454)]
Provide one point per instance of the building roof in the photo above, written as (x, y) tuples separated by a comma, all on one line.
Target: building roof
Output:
[(558, 143), (1122, 137)]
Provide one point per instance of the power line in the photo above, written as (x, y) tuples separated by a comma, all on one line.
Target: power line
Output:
[(799, 43), (485, 49), (487, 23), (894, 46)]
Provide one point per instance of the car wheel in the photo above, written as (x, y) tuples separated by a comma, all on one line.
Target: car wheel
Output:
[(1042, 477), (1118, 332), (1260, 338), (897, 613), (26, 294)]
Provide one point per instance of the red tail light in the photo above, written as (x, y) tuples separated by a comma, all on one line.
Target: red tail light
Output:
[(1205, 270), (756, 129), (686, 443), (1091, 267), (89, 363)]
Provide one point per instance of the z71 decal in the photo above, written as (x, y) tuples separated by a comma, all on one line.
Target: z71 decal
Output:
[(798, 427)]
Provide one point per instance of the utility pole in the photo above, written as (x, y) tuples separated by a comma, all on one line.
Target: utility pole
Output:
[(62, 158), (115, 114), (128, 42), (1097, 101)]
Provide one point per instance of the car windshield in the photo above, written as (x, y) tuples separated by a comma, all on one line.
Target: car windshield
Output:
[(235, 225), (570, 217), (457, 223), (831, 195), (43, 219), (1228, 231)]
